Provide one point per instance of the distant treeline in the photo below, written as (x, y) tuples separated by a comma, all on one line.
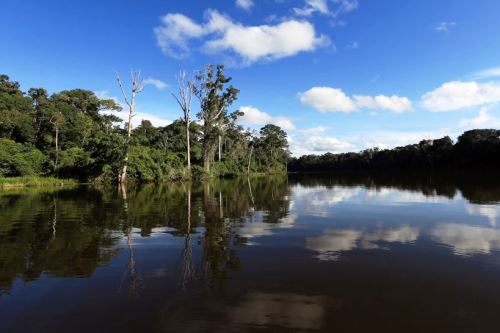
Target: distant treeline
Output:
[(76, 134), (474, 149)]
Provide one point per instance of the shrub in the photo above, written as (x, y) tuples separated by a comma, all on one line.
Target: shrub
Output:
[(20, 160)]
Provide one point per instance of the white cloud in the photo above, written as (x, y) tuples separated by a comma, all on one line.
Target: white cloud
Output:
[(249, 43), (139, 116), (444, 26), (487, 73), (175, 31), (391, 139), (456, 95), (244, 4), (155, 82), (309, 142), (327, 144), (322, 7), (327, 99), (483, 119), (391, 103), (284, 123), (255, 117), (312, 6)]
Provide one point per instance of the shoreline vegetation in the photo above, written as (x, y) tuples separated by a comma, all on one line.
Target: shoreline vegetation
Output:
[(74, 136), (30, 181)]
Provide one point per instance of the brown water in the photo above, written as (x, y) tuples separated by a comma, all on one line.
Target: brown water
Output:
[(302, 253)]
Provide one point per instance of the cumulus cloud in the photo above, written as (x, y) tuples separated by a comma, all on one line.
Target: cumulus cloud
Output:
[(313, 141), (391, 139), (484, 118), (391, 103), (328, 99), (255, 117), (123, 115), (456, 95), (487, 73), (174, 32), (444, 26), (155, 82), (244, 4), (248, 43), (139, 117)]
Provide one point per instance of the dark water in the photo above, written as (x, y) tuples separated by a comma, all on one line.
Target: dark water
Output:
[(303, 253)]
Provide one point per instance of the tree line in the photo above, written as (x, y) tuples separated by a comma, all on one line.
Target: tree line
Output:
[(73, 134), (479, 148)]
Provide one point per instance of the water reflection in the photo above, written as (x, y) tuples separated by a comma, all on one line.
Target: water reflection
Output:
[(286, 310), (333, 242), (242, 254), (466, 239)]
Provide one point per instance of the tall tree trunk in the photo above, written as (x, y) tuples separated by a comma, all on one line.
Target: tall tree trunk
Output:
[(137, 86), (123, 176), (220, 150), (188, 145), (206, 162), (57, 146), (249, 160)]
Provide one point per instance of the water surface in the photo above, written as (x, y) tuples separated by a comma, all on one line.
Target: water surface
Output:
[(303, 253)]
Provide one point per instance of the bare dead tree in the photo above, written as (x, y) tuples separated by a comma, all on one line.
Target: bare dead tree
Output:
[(249, 159), (57, 120), (183, 98), (137, 87)]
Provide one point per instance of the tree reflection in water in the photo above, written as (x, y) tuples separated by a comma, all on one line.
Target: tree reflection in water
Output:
[(130, 272)]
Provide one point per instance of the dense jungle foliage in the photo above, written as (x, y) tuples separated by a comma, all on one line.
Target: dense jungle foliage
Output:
[(75, 134)]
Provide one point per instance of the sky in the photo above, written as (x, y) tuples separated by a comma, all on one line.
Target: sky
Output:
[(337, 75)]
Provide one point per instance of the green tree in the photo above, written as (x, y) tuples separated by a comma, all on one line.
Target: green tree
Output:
[(215, 98)]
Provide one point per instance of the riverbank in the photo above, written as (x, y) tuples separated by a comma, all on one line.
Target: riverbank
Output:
[(13, 182)]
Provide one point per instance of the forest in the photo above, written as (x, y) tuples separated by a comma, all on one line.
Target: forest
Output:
[(479, 148), (74, 134)]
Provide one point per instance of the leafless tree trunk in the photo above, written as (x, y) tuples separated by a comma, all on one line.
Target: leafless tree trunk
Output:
[(57, 119), (249, 159), (57, 145), (183, 98), (137, 87)]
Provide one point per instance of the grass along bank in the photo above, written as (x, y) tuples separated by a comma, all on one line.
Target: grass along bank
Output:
[(10, 182)]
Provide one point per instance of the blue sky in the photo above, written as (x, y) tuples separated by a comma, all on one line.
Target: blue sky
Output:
[(338, 75)]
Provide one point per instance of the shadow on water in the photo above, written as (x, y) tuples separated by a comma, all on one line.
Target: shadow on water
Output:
[(275, 253)]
